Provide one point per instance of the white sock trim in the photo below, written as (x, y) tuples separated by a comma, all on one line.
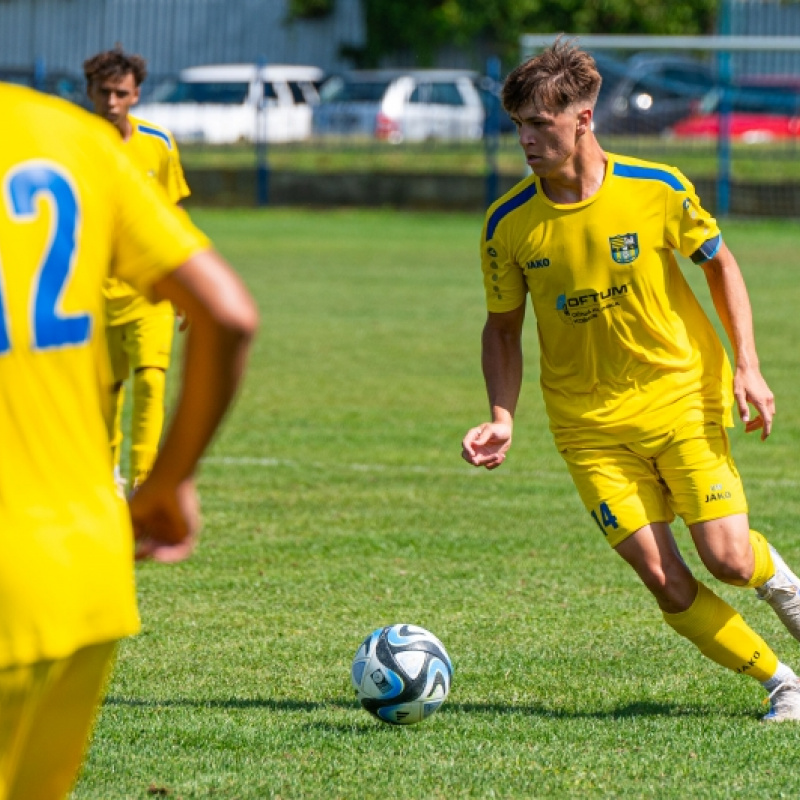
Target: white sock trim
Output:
[(782, 675)]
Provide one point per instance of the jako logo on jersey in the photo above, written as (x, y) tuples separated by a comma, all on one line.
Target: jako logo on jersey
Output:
[(624, 248), (587, 304), (537, 263)]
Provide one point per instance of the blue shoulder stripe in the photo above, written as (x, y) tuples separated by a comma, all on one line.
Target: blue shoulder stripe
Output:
[(649, 174), (157, 133), (707, 250), (506, 208)]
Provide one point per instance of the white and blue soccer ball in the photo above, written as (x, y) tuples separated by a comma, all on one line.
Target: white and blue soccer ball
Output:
[(401, 674)]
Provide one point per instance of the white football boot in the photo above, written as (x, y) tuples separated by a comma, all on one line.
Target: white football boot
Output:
[(782, 592), (784, 703)]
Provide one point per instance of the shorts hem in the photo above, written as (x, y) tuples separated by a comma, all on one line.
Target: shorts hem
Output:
[(619, 539), (711, 517)]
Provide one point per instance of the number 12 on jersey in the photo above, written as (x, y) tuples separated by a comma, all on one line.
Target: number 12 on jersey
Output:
[(50, 328)]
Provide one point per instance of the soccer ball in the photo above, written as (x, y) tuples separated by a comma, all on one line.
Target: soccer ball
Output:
[(401, 674)]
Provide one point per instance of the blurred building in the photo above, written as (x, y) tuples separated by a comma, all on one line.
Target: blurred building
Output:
[(57, 35), (762, 18)]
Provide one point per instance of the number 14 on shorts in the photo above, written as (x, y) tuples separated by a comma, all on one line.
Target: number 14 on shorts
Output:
[(604, 519)]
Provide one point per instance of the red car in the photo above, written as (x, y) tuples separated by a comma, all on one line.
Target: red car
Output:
[(763, 109)]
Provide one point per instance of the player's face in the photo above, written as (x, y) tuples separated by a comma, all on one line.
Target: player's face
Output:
[(550, 139), (113, 98)]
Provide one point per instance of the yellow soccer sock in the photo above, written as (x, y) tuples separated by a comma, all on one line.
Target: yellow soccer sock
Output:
[(721, 634), (764, 568), (117, 396), (149, 386)]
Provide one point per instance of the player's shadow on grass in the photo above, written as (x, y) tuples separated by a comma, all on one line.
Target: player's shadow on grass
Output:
[(229, 703), (626, 711)]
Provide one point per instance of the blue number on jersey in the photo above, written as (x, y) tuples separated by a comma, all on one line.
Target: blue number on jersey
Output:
[(51, 329), (608, 519)]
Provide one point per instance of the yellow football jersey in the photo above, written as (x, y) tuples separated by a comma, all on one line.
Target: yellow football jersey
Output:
[(71, 205), (626, 349), (155, 152)]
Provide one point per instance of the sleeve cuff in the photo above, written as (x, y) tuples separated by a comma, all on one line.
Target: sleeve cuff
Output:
[(707, 250)]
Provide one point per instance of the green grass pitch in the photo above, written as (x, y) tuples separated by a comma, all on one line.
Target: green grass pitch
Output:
[(335, 501)]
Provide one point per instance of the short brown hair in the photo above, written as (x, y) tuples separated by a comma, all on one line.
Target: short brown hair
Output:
[(114, 64), (553, 80)]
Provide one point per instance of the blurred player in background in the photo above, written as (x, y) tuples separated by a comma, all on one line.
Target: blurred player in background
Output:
[(73, 206), (139, 332), (637, 385)]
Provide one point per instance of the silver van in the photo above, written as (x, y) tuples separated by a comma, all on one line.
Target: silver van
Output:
[(227, 103)]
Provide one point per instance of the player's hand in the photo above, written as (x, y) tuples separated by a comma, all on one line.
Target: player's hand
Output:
[(486, 445), (750, 388), (166, 520)]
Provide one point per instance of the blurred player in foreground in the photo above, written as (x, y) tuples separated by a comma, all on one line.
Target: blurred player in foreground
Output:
[(637, 385), (72, 204), (139, 332)]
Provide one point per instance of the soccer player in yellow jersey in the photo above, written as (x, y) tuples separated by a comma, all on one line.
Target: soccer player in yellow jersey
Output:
[(637, 385), (73, 208), (139, 332)]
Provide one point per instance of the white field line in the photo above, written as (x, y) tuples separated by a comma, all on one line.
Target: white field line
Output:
[(251, 461), (422, 469), (557, 477)]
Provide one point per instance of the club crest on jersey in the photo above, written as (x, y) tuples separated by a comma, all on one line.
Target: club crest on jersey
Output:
[(624, 247)]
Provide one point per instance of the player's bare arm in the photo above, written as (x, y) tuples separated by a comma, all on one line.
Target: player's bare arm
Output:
[(224, 319), (486, 445), (729, 293)]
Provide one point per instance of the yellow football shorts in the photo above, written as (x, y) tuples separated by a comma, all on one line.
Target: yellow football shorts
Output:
[(688, 472), (46, 714), (144, 342)]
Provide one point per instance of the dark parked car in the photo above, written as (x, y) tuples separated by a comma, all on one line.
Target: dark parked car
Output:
[(613, 70), (655, 92)]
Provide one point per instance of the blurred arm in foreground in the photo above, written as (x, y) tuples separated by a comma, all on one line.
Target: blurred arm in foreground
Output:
[(165, 509)]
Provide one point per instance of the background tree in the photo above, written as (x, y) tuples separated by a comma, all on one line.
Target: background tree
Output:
[(421, 27)]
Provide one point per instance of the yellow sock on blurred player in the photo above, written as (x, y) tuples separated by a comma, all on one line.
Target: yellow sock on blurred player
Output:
[(149, 386), (117, 395), (721, 634)]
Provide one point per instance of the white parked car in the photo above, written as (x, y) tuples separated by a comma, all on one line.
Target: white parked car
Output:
[(401, 105), (227, 103)]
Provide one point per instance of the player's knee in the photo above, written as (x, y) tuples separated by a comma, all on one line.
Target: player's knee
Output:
[(672, 585), (731, 569)]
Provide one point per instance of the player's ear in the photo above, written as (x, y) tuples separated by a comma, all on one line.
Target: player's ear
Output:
[(584, 121)]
